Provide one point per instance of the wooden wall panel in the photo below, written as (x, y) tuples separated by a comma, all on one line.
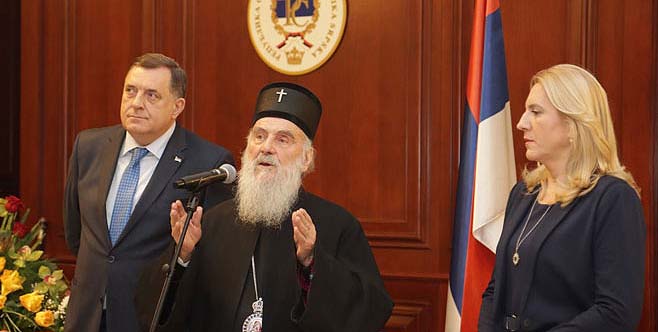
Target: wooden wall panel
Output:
[(624, 54), (100, 32), (652, 250), (41, 129), (10, 94), (393, 97), (419, 302)]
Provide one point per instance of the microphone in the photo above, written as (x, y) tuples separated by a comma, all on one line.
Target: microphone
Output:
[(225, 173)]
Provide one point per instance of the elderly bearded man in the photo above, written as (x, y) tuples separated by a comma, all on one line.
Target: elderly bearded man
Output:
[(313, 267)]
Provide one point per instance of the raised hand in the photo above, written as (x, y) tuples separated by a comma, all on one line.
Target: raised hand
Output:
[(177, 217), (304, 235)]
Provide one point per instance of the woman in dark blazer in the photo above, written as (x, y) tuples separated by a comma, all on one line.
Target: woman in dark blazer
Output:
[(571, 253)]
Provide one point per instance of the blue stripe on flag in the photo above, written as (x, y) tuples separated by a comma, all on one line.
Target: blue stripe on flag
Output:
[(462, 224), (494, 73)]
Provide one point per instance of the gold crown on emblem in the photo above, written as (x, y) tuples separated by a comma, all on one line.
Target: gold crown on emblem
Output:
[(294, 56)]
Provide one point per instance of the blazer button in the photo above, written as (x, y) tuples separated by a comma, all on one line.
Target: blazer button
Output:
[(110, 259)]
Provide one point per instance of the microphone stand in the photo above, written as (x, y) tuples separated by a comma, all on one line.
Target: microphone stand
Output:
[(190, 207)]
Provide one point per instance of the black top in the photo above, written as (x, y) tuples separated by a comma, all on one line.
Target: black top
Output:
[(248, 296), (347, 293), (515, 272), (586, 263), (266, 265)]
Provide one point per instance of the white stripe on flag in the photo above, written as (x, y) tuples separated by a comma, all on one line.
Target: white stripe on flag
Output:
[(453, 319), (495, 176)]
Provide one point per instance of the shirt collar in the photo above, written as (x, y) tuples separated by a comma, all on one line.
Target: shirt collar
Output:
[(156, 147)]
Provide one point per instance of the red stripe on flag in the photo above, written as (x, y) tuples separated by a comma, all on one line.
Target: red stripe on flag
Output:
[(492, 6), (474, 80), (479, 264)]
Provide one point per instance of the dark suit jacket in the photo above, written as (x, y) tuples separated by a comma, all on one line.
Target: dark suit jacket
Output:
[(102, 269), (587, 263)]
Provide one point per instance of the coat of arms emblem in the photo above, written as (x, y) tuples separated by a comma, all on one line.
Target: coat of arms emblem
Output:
[(295, 37)]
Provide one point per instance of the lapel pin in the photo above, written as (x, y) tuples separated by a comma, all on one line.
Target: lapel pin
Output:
[(177, 159)]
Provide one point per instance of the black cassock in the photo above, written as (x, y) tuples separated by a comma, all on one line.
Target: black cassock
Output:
[(216, 291)]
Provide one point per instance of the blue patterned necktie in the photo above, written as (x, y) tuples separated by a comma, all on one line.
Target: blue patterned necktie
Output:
[(123, 204)]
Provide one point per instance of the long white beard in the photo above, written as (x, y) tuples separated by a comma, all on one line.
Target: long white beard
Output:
[(265, 200)]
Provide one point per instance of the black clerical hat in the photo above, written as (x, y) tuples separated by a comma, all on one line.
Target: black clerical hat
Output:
[(292, 102)]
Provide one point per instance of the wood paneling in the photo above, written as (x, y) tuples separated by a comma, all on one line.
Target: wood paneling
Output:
[(624, 55), (650, 314), (10, 95), (408, 317), (650, 322), (42, 133), (393, 97), (419, 301)]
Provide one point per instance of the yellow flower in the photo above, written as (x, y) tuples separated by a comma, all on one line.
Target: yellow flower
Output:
[(3, 210), (3, 299), (45, 318), (3, 261), (31, 301), (11, 281)]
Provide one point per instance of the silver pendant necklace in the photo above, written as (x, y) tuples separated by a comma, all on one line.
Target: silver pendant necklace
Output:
[(254, 322), (516, 258)]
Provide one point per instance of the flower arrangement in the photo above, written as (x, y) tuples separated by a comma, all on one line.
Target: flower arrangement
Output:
[(33, 293)]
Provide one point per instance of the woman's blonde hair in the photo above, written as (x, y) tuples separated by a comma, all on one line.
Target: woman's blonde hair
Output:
[(581, 99)]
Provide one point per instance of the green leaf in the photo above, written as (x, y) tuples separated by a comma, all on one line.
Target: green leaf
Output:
[(58, 274), (61, 286), (43, 271), (24, 217), (35, 255), (19, 263), (41, 288), (12, 253)]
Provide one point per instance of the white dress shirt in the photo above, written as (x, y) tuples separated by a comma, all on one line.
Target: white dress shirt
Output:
[(146, 167)]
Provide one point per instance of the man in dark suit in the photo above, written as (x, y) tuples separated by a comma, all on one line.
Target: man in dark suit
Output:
[(119, 190)]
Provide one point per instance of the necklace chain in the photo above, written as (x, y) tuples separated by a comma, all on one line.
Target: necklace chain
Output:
[(253, 269), (521, 238), (254, 322)]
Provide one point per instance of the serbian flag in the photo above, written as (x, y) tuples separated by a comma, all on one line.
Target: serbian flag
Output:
[(486, 170)]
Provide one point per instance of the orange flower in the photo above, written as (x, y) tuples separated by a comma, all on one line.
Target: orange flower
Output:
[(3, 299), (3, 261), (31, 301), (45, 318)]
